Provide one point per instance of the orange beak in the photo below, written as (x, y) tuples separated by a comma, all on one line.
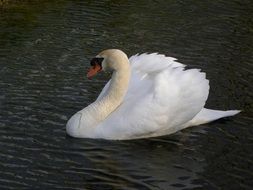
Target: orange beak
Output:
[(93, 70)]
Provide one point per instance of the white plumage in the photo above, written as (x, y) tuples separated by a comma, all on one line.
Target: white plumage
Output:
[(161, 98)]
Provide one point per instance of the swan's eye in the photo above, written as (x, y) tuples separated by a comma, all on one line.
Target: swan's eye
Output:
[(96, 60)]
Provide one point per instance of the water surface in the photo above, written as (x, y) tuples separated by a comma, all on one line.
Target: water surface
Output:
[(45, 48)]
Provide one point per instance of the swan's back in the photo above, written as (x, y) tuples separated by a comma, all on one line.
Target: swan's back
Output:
[(161, 97)]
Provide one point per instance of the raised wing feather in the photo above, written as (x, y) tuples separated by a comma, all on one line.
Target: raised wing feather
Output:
[(161, 97), (144, 64), (149, 63)]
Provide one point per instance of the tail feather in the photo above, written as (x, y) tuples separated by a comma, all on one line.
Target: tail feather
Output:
[(208, 115)]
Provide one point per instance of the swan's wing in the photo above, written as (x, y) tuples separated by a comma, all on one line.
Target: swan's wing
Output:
[(144, 64), (149, 63), (158, 102)]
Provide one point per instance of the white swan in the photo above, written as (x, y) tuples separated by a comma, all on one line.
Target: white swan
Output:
[(148, 95)]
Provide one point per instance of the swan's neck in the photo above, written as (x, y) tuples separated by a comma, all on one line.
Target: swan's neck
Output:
[(100, 109)]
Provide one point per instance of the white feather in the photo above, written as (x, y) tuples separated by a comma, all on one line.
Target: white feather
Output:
[(162, 98)]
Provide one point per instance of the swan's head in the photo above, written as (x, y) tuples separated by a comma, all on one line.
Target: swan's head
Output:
[(110, 59)]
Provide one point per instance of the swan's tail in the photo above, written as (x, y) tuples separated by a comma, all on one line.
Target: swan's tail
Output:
[(207, 115)]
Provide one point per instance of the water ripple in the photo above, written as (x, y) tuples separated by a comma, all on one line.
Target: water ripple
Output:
[(44, 55)]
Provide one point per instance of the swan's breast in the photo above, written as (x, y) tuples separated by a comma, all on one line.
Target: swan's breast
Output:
[(73, 125)]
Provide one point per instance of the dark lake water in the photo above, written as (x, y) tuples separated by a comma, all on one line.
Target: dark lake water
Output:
[(45, 48)]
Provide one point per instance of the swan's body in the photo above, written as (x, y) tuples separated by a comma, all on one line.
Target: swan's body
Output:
[(149, 95)]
